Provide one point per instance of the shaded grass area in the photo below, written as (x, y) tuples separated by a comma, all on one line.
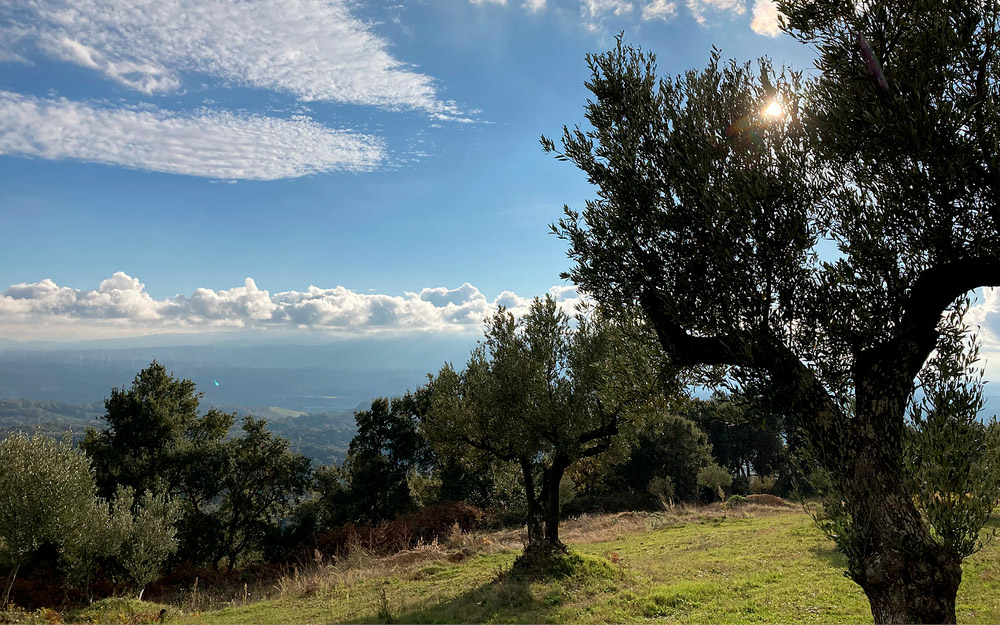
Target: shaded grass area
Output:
[(756, 566)]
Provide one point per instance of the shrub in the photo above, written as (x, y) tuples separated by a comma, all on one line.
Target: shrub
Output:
[(716, 479), (736, 501), (762, 484), (386, 537)]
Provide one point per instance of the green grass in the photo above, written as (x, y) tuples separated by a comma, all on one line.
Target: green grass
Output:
[(121, 610), (765, 567)]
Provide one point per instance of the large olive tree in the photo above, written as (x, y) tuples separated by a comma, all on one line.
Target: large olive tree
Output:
[(709, 212)]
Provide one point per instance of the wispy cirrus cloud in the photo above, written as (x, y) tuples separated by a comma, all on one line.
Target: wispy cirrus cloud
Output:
[(593, 12), (204, 143), (659, 9), (121, 306), (311, 49), (595, 15), (703, 9)]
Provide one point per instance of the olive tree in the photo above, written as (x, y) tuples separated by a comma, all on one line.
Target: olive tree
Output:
[(538, 394), (708, 214), (145, 528), (47, 495)]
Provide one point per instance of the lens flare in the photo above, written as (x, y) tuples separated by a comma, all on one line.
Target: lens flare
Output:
[(774, 110)]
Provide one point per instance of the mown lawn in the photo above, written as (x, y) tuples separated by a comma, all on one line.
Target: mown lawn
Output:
[(757, 566)]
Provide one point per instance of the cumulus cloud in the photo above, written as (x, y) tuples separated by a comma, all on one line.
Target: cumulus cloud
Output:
[(765, 18), (662, 9), (119, 297), (441, 296), (985, 313), (312, 49), (700, 8), (121, 305), (204, 143)]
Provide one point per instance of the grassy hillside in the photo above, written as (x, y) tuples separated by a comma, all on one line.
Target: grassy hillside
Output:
[(689, 566)]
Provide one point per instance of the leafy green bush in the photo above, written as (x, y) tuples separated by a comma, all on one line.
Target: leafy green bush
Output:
[(736, 501), (716, 479), (762, 484)]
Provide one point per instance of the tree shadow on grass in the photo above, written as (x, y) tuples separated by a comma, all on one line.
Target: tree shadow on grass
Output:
[(505, 598), (509, 596), (829, 554)]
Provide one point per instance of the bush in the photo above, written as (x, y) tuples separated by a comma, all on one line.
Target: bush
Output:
[(621, 501), (662, 488), (387, 537), (736, 501), (15, 614), (716, 479), (121, 611), (762, 484)]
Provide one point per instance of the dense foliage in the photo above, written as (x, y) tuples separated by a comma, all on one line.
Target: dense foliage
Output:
[(48, 498), (709, 211), (541, 395)]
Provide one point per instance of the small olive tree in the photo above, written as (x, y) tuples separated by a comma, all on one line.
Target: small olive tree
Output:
[(145, 531), (47, 496), (542, 395), (951, 460)]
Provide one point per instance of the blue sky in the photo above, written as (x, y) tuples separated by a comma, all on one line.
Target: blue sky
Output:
[(165, 151), (341, 167)]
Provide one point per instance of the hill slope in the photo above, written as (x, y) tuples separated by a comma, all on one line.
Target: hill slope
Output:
[(758, 565)]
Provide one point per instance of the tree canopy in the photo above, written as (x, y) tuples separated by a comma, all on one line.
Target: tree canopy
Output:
[(709, 212), (540, 394)]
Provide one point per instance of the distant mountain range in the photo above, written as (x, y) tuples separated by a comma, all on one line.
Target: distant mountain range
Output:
[(335, 375), (308, 391)]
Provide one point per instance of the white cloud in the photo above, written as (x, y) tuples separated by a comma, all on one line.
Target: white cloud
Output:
[(765, 18), (985, 313), (662, 9), (441, 296), (206, 143), (984, 317), (119, 297), (121, 306), (533, 6), (593, 11), (312, 49), (699, 8)]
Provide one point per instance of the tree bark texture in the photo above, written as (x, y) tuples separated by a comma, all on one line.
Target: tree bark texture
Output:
[(907, 576)]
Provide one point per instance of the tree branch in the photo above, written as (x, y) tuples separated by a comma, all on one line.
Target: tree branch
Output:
[(684, 349), (931, 294), (608, 429)]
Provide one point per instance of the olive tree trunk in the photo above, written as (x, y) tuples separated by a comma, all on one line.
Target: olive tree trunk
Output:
[(906, 575)]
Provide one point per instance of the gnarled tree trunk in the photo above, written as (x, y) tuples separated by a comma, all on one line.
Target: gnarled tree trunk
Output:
[(534, 520), (906, 575)]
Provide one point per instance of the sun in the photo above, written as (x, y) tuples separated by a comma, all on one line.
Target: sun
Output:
[(774, 110)]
